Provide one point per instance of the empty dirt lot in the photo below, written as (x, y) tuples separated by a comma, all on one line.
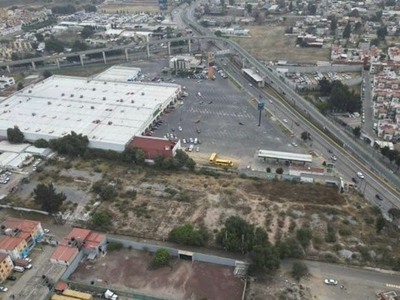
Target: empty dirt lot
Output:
[(270, 43), (128, 269)]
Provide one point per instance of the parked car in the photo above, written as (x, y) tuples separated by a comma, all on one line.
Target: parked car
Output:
[(360, 175), (11, 278), (330, 281), (354, 180), (3, 288), (379, 197), (294, 144), (46, 230), (285, 121), (180, 128)]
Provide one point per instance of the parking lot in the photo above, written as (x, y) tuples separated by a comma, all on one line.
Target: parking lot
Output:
[(223, 119)]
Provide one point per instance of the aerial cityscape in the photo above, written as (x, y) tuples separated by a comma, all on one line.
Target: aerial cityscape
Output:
[(199, 150)]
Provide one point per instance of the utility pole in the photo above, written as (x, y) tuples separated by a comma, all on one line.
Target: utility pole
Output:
[(260, 109)]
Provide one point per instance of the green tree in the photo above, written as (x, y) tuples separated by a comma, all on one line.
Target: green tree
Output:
[(160, 258), (304, 236), (187, 235), (87, 32), (290, 6), (39, 37), (380, 224), (41, 143), (79, 46), (333, 25), (218, 33), (289, 248), (20, 86), (279, 171), (72, 144), (14, 135), (47, 74), (357, 131), (299, 270), (325, 86), (54, 45), (264, 259), (190, 164), (305, 135), (394, 213), (158, 160), (249, 8), (382, 32), (47, 197), (108, 192), (90, 8), (14, 56), (347, 31), (101, 220), (331, 233), (237, 235)]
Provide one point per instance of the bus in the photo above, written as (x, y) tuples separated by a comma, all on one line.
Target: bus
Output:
[(61, 297), (76, 294), (213, 157), (224, 162)]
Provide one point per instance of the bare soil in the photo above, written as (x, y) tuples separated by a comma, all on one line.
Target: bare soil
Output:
[(180, 280), (271, 44), (151, 8)]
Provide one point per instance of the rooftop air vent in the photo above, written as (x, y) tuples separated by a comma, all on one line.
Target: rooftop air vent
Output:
[(109, 123), (104, 98), (33, 114), (142, 93), (132, 101), (72, 95), (94, 89), (62, 94), (92, 107), (81, 96), (30, 91), (105, 82), (49, 103)]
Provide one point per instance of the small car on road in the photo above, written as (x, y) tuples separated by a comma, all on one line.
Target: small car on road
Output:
[(330, 281)]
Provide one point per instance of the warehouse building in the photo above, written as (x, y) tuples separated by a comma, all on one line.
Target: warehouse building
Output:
[(110, 113)]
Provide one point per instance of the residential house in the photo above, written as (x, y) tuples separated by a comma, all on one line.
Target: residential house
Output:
[(6, 266), (16, 247)]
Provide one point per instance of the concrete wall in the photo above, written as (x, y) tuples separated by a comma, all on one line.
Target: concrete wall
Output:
[(72, 267), (174, 252), (332, 68)]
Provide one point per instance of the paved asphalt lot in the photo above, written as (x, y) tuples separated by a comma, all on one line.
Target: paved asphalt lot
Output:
[(220, 107)]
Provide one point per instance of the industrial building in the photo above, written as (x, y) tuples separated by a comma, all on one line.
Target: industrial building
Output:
[(109, 112), (184, 62)]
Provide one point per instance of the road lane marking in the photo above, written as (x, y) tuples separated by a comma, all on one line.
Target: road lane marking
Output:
[(393, 286)]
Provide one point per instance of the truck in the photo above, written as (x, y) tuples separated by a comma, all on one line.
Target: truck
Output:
[(110, 295)]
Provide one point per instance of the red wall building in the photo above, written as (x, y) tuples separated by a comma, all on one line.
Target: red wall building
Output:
[(153, 146)]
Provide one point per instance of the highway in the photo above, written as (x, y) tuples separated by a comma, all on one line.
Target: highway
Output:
[(349, 154)]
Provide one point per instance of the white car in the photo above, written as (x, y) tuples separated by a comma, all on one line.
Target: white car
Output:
[(28, 267), (28, 259), (334, 158), (294, 144), (46, 230), (199, 94), (330, 281), (360, 175), (180, 128), (3, 288), (197, 149), (270, 101), (285, 121)]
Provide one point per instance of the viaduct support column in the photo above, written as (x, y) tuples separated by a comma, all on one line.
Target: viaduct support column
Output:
[(104, 57), (169, 48), (81, 58), (8, 69), (148, 50), (33, 66), (190, 46), (58, 63), (126, 54)]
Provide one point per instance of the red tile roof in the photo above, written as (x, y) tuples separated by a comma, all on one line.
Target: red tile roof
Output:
[(22, 224), (3, 256), (10, 242), (88, 238), (64, 253), (94, 239)]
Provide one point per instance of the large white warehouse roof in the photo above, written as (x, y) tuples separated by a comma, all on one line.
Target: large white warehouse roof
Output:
[(109, 113)]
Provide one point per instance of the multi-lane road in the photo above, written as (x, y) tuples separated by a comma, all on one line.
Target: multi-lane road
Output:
[(351, 156)]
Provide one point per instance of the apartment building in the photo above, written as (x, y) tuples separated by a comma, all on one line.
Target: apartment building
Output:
[(6, 266)]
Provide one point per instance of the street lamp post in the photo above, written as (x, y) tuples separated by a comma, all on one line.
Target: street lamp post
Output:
[(260, 109)]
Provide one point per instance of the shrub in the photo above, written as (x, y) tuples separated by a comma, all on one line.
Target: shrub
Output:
[(114, 246), (304, 235), (187, 235), (344, 230), (331, 233), (299, 270), (160, 258)]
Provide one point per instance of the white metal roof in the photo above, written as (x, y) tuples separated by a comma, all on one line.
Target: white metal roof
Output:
[(6, 158), (253, 74), (118, 73), (285, 155), (5, 146), (107, 112)]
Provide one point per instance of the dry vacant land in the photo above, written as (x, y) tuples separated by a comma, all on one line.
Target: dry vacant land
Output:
[(129, 269), (271, 44), (134, 8)]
